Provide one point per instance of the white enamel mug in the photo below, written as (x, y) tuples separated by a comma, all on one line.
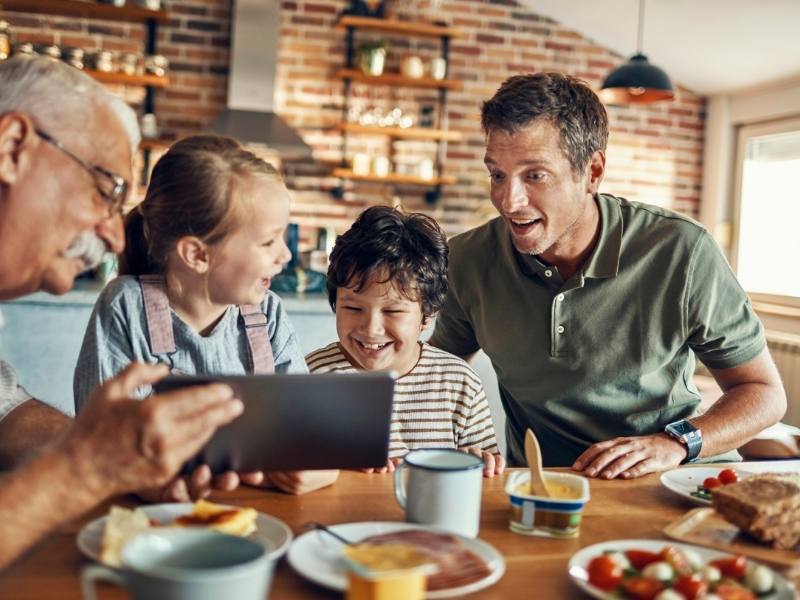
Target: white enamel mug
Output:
[(443, 489), (187, 564)]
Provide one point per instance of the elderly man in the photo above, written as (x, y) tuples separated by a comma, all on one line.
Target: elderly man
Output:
[(65, 165), (592, 308)]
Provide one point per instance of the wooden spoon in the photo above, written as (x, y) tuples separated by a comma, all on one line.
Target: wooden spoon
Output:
[(534, 457)]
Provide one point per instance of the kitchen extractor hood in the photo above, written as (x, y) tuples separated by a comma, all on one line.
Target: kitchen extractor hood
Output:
[(249, 116)]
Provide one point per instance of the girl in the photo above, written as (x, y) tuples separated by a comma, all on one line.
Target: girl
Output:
[(200, 252)]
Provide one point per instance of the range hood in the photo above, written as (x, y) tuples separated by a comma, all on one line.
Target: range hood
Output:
[(249, 116)]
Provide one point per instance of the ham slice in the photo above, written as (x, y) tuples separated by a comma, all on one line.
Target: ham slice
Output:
[(457, 565)]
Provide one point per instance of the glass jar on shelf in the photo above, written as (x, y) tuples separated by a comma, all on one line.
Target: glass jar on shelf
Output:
[(103, 60), (156, 64), (50, 51), (74, 57), (5, 40), (130, 63), (25, 48)]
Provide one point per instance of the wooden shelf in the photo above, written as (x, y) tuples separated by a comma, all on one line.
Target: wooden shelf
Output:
[(394, 178), (401, 27), (155, 143), (399, 80), (79, 8), (404, 133), (123, 79)]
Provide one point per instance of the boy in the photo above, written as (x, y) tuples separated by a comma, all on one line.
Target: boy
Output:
[(386, 280)]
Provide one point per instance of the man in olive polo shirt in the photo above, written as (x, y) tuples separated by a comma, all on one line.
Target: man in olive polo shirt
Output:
[(592, 308)]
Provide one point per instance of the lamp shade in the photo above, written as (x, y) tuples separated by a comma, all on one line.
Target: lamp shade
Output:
[(636, 82)]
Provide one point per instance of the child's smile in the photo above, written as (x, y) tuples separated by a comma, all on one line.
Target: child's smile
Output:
[(378, 327)]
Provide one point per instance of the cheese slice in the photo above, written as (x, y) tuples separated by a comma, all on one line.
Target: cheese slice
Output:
[(122, 524), (232, 520)]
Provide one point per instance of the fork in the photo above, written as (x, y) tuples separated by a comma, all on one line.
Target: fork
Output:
[(321, 527)]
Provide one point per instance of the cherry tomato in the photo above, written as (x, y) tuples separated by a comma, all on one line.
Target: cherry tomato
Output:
[(691, 586), (639, 559), (604, 573), (727, 476), (734, 567), (641, 588), (677, 559), (732, 591), (711, 482)]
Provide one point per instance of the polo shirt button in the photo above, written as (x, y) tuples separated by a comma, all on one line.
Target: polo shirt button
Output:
[(548, 273), (560, 297), (560, 329)]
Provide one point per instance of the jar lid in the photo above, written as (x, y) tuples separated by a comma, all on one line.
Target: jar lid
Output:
[(50, 50)]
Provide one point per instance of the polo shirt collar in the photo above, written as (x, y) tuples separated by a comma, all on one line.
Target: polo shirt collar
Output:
[(604, 261)]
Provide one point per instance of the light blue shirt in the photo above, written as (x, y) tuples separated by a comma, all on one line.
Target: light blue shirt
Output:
[(117, 335)]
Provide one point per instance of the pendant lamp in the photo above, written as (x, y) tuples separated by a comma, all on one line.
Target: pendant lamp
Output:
[(637, 81)]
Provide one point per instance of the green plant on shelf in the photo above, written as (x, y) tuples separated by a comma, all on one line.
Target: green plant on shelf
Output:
[(372, 56)]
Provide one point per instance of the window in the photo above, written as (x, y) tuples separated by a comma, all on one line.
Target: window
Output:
[(767, 244)]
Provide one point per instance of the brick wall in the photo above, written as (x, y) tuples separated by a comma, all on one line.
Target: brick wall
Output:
[(654, 154)]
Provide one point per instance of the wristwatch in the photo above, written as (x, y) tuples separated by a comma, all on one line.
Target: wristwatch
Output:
[(688, 435)]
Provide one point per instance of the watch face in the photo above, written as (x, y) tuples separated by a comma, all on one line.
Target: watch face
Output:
[(681, 428)]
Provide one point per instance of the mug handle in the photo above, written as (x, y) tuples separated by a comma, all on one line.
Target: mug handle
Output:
[(399, 486), (94, 573)]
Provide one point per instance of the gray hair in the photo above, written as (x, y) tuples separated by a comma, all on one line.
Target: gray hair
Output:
[(60, 98)]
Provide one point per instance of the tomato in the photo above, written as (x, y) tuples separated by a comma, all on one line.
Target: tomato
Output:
[(691, 586), (641, 588), (711, 482), (677, 559), (728, 476), (604, 573), (732, 591), (734, 567), (639, 559)]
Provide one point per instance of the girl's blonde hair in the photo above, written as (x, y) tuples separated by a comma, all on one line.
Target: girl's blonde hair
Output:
[(192, 191)]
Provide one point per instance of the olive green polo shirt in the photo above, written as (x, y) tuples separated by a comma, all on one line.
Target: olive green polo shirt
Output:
[(609, 352)]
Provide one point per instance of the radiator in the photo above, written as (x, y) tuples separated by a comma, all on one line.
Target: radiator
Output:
[(785, 350)]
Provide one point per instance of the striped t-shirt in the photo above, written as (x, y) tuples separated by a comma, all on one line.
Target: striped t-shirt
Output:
[(440, 403)]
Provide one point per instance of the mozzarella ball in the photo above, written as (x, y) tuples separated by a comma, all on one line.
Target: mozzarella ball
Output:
[(662, 571)]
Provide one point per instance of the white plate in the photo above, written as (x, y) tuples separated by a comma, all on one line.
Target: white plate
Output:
[(317, 556), (685, 481), (580, 561), (271, 532)]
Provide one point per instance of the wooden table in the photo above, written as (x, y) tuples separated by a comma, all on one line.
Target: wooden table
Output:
[(535, 567)]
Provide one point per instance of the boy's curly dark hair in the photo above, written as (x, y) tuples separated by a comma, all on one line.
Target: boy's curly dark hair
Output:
[(410, 250)]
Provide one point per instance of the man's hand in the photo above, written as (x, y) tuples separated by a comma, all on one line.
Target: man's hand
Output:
[(391, 465), (493, 464), (629, 457), (199, 484), (119, 444), (302, 482)]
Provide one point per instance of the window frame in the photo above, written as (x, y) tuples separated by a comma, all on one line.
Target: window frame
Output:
[(744, 134)]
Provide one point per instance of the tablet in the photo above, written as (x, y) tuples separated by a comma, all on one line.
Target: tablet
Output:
[(316, 421)]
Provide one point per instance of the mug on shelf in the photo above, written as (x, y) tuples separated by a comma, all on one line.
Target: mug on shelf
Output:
[(361, 163), (412, 67), (381, 166), (425, 169), (438, 68)]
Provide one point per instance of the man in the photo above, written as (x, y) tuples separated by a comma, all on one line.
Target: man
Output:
[(65, 165), (592, 308)]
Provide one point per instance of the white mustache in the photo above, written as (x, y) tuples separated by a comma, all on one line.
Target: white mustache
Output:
[(88, 247)]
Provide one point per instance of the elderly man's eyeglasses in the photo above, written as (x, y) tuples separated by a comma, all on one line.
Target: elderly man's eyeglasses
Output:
[(112, 188)]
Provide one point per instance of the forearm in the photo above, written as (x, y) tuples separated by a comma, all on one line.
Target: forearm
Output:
[(38, 497), (740, 413), (28, 429)]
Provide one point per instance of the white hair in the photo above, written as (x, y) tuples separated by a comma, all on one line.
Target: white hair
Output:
[(60, 98)]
